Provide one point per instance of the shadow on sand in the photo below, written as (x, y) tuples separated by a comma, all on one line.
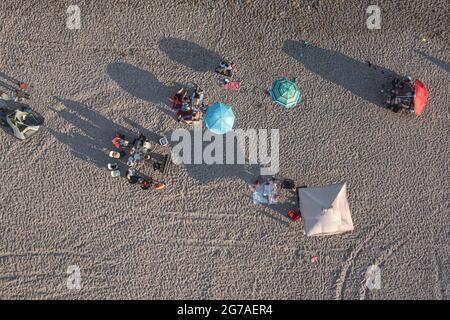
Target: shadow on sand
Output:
[(360, 78), (143, 85), (96, 132), (440, 63), (94, 141), (8, 82), (190, 54), (281, 209), (248, 174)]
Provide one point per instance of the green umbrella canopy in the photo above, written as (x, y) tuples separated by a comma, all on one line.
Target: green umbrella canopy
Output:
[(285, 92)]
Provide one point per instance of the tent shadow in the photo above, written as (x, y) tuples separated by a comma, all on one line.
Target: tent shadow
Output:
[(143, 85), (281, 209), (360, 78), (205, 173), (440, 63), (190, 54)]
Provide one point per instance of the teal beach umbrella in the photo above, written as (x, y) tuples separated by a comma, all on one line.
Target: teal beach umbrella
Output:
[(285, 92), (220, 118)]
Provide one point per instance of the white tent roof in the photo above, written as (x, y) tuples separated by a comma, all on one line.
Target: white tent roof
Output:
[(325, 210)]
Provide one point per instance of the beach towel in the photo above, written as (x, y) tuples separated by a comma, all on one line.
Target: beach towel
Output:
[(232, 85)]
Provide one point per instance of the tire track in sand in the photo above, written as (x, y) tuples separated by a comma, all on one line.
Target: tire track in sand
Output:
[(349, 262), (380, 261)]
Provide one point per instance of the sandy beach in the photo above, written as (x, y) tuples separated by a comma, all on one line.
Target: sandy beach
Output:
[(202, 237)]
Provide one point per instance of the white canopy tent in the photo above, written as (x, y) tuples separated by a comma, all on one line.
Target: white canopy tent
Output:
[(325, 210)]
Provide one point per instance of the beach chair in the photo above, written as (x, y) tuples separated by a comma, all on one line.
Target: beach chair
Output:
[(288, 184), (163, 166)]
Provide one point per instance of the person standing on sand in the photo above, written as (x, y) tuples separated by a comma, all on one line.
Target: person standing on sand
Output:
[(146, 184)]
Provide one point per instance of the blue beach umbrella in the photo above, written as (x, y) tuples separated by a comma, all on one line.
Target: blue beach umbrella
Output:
[(285, 92), (219, 118)]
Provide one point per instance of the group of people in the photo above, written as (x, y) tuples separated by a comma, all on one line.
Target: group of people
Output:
[(191, 107), (266, 192), (402, 95), (226, 69), (138, 151)]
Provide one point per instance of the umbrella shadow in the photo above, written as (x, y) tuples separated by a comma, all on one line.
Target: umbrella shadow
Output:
[(227, 167), (97, 131), (190, 54), (204, 173), (143, 85), (440, 63), (363, 79)]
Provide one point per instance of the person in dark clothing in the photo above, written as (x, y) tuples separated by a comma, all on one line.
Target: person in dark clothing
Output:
[(146, 184), (226, 68), (402, 95), (3, 114), (132, 177)]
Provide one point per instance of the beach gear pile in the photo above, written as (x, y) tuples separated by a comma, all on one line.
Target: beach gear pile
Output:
[(137, 153), (17, 114)]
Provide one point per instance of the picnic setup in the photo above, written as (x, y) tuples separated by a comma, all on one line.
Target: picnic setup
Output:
[(138, 153)]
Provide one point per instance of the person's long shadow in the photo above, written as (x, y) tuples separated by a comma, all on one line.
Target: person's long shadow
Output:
[(152, 136), (143, 85), (190, 54), (95, 132), (360, 78), (8, 82), (440, 63)]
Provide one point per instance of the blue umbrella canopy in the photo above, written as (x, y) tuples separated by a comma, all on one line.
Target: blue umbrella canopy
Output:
[(219, 118), (285, 92)]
